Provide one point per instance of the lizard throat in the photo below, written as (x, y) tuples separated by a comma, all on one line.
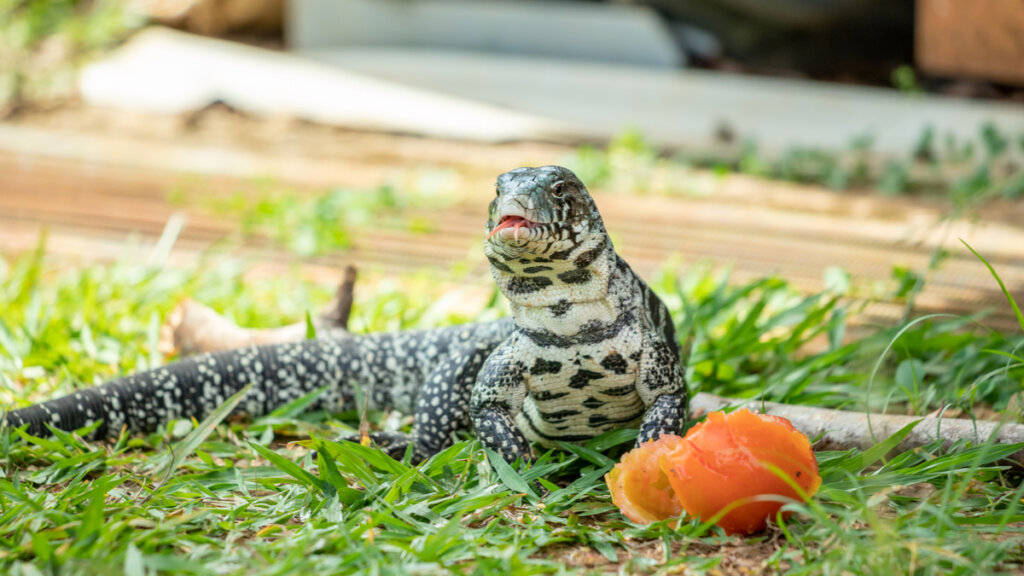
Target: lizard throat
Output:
[(581, 274)]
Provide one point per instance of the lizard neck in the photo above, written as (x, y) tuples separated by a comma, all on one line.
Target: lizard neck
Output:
[(565, 295)]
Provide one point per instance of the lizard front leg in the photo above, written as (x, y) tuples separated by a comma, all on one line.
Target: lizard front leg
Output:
[(497, 398), (662, 388)]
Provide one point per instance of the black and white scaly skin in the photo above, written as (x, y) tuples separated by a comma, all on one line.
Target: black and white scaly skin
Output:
[(391, 368), (589, 348), (593, 348)]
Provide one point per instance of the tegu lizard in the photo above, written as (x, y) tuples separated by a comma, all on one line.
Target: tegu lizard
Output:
[(589, 348)]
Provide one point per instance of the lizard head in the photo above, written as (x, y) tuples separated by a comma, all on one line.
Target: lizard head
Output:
[(541, 212), (545, 240)]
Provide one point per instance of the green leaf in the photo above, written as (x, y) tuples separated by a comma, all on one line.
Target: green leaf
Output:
[(349, 461), (588, 454), (293, 408), (612, 438), (41, 547), (1014, 357), (294, 470), (329, 473), (578, 489), (859, 462), (189, 443), (133, 564), (54, 448), (509, 477), (435, 545), (598, 541), (376, 458), (92, 518), (837, 329)]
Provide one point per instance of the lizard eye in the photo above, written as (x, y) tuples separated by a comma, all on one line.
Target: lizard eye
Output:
[(497, 191), (556, 189)]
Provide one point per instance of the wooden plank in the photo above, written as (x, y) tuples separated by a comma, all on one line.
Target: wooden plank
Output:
[(976, 38), (92, 208)]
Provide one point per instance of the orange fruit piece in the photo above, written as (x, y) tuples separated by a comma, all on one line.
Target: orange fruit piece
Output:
[(723, 463), (638, 485), (727, 460)]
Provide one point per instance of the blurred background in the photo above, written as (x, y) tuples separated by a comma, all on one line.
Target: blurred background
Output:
[(841, 144)]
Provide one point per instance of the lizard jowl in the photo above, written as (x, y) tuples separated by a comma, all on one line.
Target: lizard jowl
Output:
[(589, 348)]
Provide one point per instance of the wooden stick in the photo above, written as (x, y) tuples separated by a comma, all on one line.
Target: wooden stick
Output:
[(842, 430), (337, 314), (193, 328)]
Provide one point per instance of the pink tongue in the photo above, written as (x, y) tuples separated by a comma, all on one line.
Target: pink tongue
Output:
[(508, 223)]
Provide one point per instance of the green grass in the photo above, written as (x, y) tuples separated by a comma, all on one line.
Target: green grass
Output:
[(315, 224), (254, 498), (43, 41)]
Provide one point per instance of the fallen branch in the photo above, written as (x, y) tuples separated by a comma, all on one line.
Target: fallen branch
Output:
[(194, 328), (214, 17), (842, 430)]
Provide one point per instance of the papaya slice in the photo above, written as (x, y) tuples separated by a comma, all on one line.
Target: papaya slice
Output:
[(638, 485), (743, 463)]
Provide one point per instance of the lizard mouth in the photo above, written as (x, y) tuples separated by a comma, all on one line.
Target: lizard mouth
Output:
[(513, 222)]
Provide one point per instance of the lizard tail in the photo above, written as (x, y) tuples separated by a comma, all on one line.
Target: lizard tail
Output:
[(194, 387)]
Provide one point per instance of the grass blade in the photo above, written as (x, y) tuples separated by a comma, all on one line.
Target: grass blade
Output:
[(1006, 292), (196, 437), (588, 454), (310, 327), (292, 469), (868, 457), (297, 406), (508, 475), (329, 473)]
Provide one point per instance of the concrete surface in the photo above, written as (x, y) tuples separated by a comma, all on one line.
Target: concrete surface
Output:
[(684, 107), (170, 72), (494, 98), (625, 34)]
